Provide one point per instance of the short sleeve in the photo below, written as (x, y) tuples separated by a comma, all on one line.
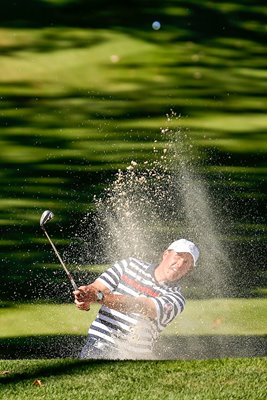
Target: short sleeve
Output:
[(169, 306), (111, 277)]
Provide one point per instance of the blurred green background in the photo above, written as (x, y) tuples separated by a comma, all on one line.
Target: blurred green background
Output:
[(85, 87)]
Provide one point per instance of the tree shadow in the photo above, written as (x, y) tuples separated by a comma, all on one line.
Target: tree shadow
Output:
[(136, 17), (167, 348), (207, 347), (54, 369), (35, 347), (75, 174)]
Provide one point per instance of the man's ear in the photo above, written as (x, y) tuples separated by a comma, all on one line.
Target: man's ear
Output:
[(164, 255)]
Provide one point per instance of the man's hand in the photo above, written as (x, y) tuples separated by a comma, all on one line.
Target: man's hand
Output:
[(87, 295), (84, 296)]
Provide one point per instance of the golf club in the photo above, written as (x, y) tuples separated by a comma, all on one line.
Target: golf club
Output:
[(45, 217)]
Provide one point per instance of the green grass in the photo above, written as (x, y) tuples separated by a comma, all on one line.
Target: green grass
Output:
[(228, 379), (201, 317), (78, 103)]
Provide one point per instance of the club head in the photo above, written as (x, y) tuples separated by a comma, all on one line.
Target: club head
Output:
[(45, 217)]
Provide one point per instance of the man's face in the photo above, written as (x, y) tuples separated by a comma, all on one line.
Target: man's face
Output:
[(176, 265)]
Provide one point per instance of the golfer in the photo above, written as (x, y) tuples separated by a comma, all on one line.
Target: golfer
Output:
[(138, 300)]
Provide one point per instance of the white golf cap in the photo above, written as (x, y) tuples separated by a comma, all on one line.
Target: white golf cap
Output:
[(185, 246)]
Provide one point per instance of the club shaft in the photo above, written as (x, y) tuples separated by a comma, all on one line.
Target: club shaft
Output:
[(75, 287)]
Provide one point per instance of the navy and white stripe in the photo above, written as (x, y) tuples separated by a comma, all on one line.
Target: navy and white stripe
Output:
[(133, 331)]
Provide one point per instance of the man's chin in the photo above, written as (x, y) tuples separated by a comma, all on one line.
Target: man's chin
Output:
[(173, 277)]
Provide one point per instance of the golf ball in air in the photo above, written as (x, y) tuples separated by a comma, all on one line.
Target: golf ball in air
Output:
[(156, 25)]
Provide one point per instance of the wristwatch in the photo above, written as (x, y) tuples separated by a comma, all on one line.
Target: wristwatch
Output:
[(99, 296)]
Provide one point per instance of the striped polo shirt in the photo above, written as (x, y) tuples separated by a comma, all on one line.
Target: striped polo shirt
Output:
[(131, 334)]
